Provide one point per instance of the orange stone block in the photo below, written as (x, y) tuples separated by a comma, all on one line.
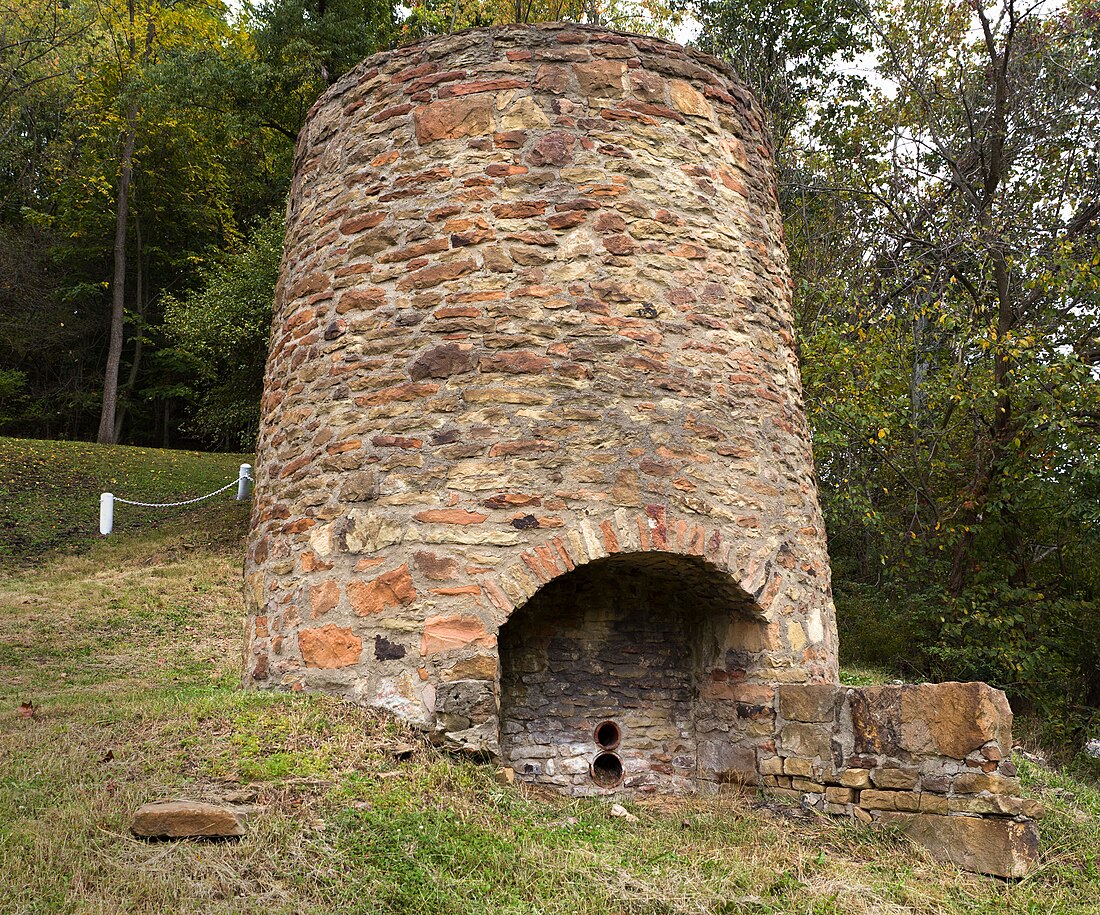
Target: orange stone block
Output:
[(329, 647), (449, 633), (323, 598), (390, 589)]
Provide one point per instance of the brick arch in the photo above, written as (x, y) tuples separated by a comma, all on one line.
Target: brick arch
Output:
[(621, 533)]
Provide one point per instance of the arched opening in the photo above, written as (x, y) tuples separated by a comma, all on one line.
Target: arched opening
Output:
[(607, 674)]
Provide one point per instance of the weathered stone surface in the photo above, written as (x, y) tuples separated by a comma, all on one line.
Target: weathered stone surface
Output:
[(895, 778), (995, 805), (954, 719), (323, 597), (444, 361), (976, 782), (182, 819), (358, 486), (1001, 847), (601, 77), (447, 633), (390, 589), (453, 119), (807, 740), (876, 719), (689, 100), (809, 702), (329, 647)]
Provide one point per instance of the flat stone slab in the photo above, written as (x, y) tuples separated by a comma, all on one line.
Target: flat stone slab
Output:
[(996, 845), (187, 820)]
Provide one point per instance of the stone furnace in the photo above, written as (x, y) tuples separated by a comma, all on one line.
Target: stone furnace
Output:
[(533, 470)]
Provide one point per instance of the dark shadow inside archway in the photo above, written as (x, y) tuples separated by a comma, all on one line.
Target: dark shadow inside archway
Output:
[(605, 674)]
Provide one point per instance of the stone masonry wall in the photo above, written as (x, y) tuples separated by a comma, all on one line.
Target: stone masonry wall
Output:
[(532, 392), (932, 759), (534, 311), (616, 654)]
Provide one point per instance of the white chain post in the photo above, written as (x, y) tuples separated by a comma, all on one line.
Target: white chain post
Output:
[(244, 482), (106, 513)]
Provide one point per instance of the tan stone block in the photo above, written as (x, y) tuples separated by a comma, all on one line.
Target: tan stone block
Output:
[(809, 702), (602, 78), (753, 635), (954, 719), (870, 799), (907, 800), (794, 766), (479, 667), (895, 778), (976, 782), (855, 778), (689, 100), (796, 635), (807, 785), (1001, 847), (450, 516), (837, 795), (369, 532), (769, 765), (524, 114), (807, 740), (995, 805), (184, 819), (933, 803)]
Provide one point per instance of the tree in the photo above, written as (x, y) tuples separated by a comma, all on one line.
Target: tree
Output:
[(122, 161), (949, 334), (219, 333), (793, 54)]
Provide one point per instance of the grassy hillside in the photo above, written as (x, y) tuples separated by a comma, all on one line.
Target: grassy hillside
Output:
[(129, 652), (49, 491)]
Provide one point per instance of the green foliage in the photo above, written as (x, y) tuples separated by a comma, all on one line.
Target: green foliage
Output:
[(13, 394), (943, 231), (439, 17), (788, 51), (220, 333)]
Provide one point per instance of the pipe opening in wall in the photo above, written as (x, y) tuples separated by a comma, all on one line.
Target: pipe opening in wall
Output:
[(607, 769), (607, 735)]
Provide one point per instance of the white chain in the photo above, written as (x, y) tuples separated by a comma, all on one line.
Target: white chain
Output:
[(185, 501)]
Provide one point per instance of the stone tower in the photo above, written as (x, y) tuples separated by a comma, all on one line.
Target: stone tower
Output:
[(533, 454), (533, 471)]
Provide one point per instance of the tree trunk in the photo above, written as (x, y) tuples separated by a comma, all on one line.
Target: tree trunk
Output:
[(123, 403), (107, 433)]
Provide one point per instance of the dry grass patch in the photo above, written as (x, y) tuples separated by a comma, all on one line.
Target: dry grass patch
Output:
[(130, 653)]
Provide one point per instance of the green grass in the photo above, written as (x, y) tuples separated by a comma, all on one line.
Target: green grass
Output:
[(49, 491), (130, 650)]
